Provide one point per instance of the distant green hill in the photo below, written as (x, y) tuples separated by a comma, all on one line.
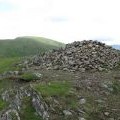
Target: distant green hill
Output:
[(25, 46)]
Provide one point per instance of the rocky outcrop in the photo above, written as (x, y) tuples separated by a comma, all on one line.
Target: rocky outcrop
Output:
[(10, 114), (80, 56), (40, 106), (15, 97)]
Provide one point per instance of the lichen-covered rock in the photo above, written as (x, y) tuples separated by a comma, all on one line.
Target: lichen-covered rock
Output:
[(10, 114), (16, 95), (39, 105)]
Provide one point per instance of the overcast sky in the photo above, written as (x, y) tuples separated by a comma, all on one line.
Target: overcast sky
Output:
[(62, 20)]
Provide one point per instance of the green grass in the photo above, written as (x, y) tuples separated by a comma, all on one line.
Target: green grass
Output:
[(12, 50), (28, 76), (6, 64), (61, 91), (6, 84), (3, 104), (72, 102), (54, 88), (116, 87), (26, 46), (27, 111)]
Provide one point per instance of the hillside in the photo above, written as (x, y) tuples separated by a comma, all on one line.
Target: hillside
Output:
[(25, 46), (79, 82)]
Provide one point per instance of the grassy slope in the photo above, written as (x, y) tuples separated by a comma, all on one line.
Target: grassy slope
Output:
[(25, 46), (12, 50), (6, 64)]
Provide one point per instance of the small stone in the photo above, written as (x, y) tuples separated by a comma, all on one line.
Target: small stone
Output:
[(99, 101), (65, 69), (82, 101), (82, 69), (80, 118), (104, 85), (23, 69), (56, 68), (49, 68), (106, 113), (45, 115), (81, 111), (56, 102), (100, 69), (67, 113), (16, 72), (38, 75), (26, 62)]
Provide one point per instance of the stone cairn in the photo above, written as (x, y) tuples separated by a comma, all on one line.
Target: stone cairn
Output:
[(80, 56)]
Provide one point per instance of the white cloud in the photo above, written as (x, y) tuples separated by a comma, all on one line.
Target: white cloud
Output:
[(63, 20)]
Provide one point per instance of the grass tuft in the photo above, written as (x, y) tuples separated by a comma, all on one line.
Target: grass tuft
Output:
[(27, 111), (28, 76), (3, 104), (54, 88)]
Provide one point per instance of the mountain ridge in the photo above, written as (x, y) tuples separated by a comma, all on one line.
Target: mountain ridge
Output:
[(25, 46)]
